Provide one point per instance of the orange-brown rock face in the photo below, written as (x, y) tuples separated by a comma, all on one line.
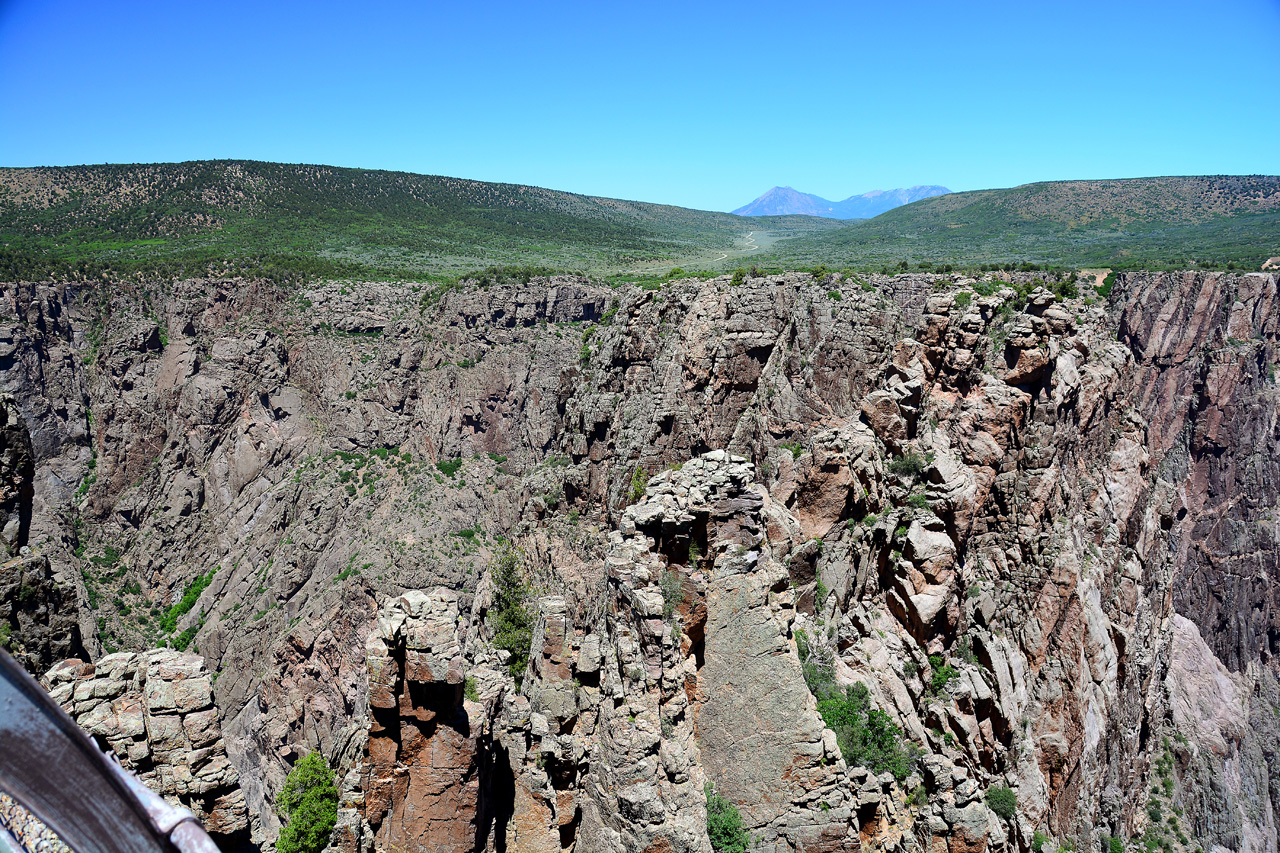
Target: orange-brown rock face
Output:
[(420, 782)]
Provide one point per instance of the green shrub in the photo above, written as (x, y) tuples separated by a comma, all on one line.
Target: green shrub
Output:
[(508, 616), (1115, 845), (963, 298), (918, 501), (1065, 290), (639, 481), (169, 622), (820, 593), (1104, 289), (910, 463), (834, 295), (309, 805), (1038, 841), (795, 447), (941, 675), (470, 690), (739, 276), (184, 639), (449, 467), (110, 557), (27, 594), (867, 737), (817, 665), (1002, 801), (672, 586), (724, 824)]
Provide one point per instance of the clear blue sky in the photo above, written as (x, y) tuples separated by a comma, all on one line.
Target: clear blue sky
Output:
[(698, 104)]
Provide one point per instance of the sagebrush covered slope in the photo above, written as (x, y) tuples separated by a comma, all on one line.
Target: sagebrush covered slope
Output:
[(1139, 223), (304, 221)]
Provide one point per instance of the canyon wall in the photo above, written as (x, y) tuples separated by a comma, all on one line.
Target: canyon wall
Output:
[(1040, 530)]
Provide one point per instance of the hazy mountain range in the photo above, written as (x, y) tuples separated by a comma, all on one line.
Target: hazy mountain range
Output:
[(785, 200)]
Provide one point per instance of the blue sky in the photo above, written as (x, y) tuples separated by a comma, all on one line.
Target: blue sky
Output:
[(698, 104)]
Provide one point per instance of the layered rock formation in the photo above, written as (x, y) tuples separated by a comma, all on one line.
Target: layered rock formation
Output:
[(155, 712), (1041, 531)]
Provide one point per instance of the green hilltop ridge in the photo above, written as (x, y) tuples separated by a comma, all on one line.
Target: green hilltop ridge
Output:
[(281, 221), (1133, 223), (305, 221)]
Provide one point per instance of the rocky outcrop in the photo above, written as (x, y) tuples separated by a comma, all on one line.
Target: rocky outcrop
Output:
[(38, 614), (420, 784), (17, 468), (761, 740), (155, 712)]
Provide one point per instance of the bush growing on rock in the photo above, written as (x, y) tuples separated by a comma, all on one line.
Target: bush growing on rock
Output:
[(639, 481), (449, 467), (309, 804), (942, 673), (672, 586), (817, 665), (1002, 801), (509, 618), (1104, 289), (867, 736), (1065, 289), (910, 463), (724, 824)]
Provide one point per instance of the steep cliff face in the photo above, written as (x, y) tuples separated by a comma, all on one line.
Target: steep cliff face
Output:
[(38, 616), (1040, 532)]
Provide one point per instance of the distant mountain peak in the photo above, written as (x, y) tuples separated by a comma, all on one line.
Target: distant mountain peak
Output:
[(781, 201)]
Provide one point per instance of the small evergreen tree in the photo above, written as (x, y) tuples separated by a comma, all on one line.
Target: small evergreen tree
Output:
[(724, 824), (639, 482), (508, 617), (309, 805)]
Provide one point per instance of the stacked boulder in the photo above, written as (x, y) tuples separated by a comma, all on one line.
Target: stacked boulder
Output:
[(155, 711)]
